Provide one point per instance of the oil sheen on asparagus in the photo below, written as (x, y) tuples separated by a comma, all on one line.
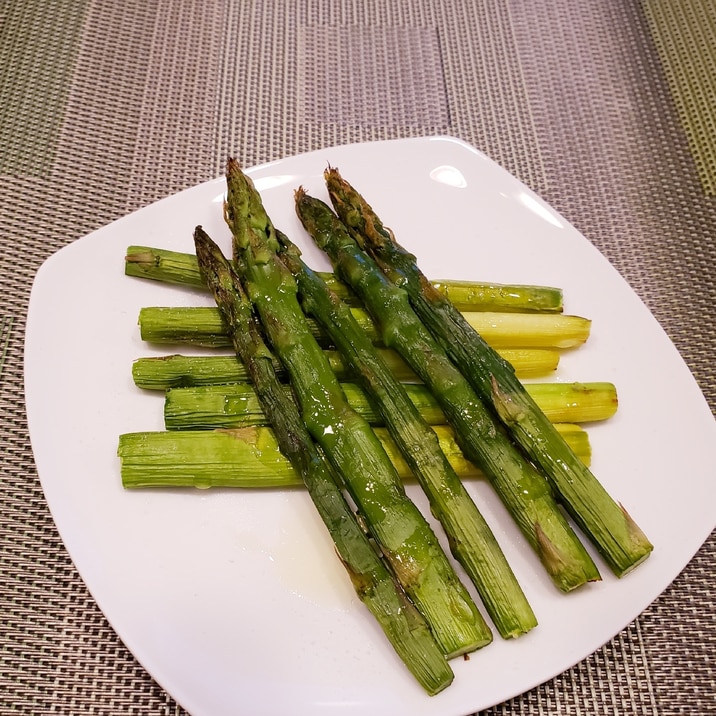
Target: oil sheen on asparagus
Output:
[(614, 533), (373, 583), (403, 534), (524, 492)]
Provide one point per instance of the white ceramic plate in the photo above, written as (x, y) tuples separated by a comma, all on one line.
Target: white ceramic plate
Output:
[(234, 601)]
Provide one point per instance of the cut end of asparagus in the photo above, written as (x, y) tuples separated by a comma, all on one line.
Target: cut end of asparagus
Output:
[(567, 574), (144, 257), (410, 637), (163, 265), (641, 547)]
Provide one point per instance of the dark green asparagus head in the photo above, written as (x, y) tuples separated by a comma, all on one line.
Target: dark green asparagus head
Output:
[(245, 214), (212, 262), (230, 296), (355, 212), (217, 271), (319, 221), (366, 228)]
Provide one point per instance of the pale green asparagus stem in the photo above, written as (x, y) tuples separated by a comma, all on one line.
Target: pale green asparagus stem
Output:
[(182, 268), (250, 457), (236, 405), (203, 326), (173, 371)]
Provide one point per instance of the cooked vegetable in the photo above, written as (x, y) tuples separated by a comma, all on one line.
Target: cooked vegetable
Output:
[(525, 493), (250, 458), (401, 623), (172, 371), (182, 268), (375, 376), (204, 326), (470, 538), (236, 405), (402, 533), (615, 534)]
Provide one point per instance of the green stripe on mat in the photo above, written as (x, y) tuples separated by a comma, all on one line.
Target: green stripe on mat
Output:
[(684, 32), (39, 41)]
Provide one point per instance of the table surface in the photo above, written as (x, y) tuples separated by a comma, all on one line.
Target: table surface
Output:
[(108, 106)]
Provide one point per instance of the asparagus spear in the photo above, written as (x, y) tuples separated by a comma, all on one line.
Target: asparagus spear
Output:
[(182, 268), (348, 441), (525, 493), (235, 405), (614, 533), (249, 457), (173, 371), (203, 326), (406, 630), (471, 540)]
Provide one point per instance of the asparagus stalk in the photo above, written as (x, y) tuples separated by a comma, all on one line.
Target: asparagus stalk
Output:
[(348, 441), (203, 326), (250, 457), (174, 371), (236, 405), (182, 268), (614, 533), (471, 540), (404, 627), (525, 493)]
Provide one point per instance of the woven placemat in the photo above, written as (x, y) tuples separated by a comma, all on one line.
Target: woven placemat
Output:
[(685, 36), (142, 99)]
